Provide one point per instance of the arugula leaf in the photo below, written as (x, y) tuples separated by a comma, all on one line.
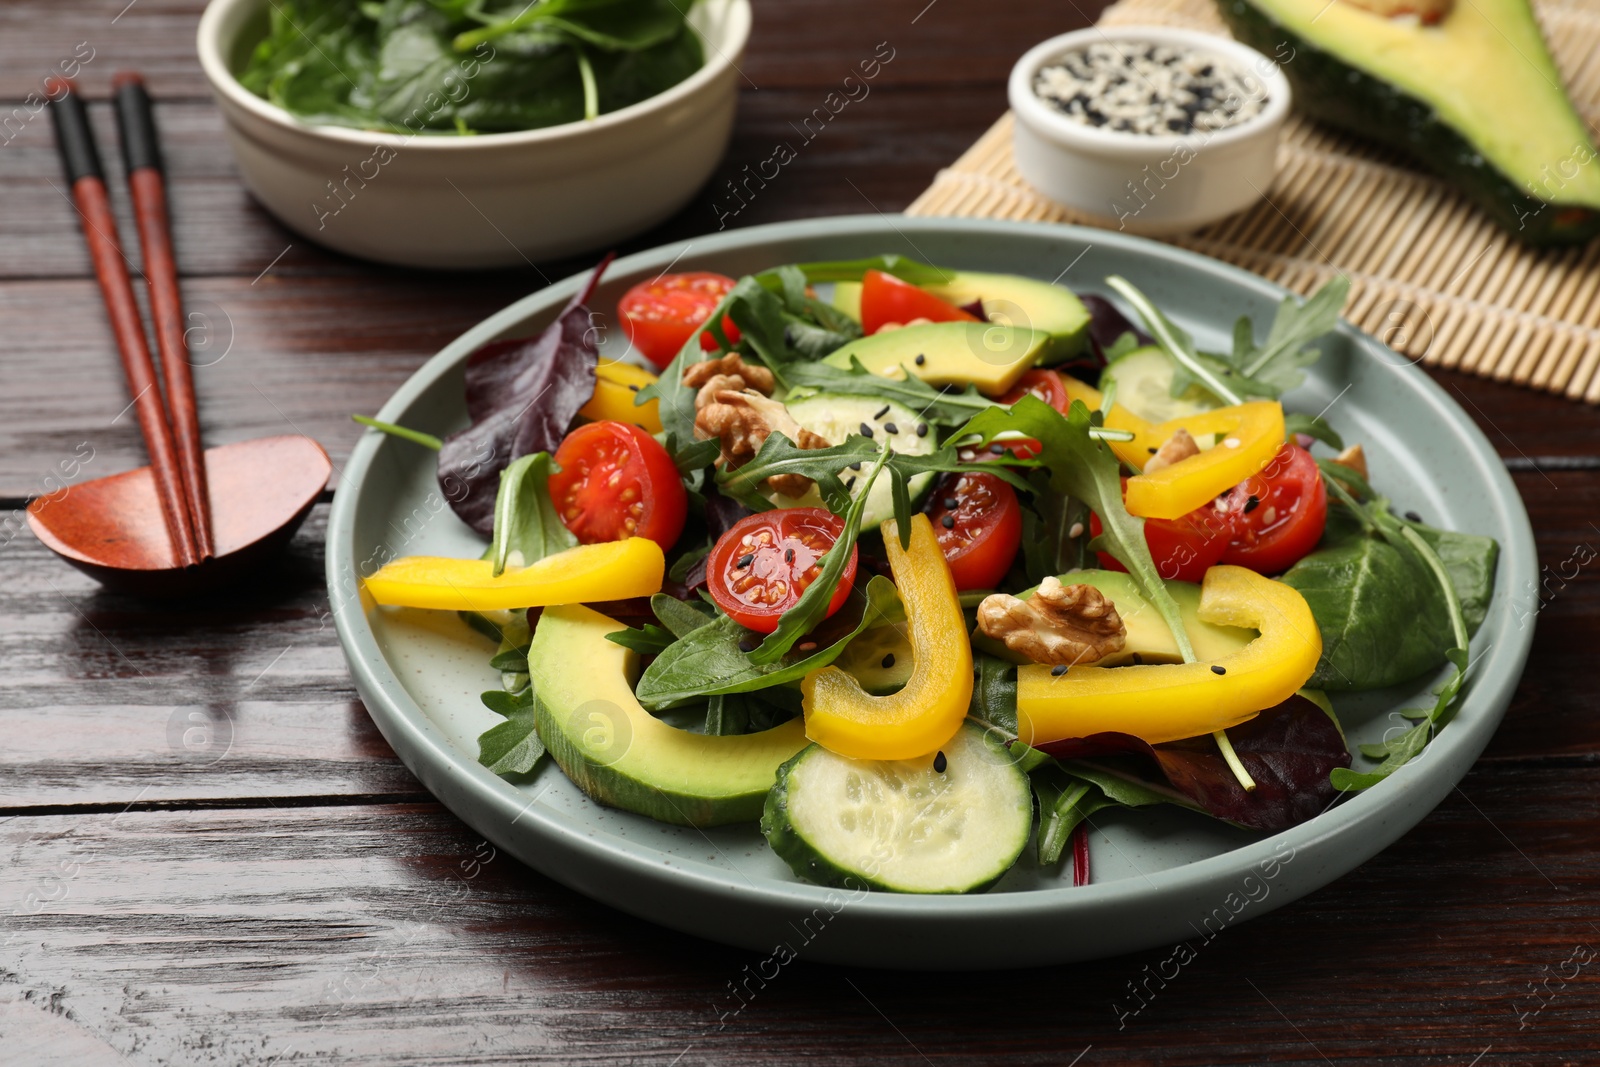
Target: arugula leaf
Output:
[(1084, 469), (1269, 370), (526, 525), (779, 455), (513, 746), (1064, 802), (937, 406), (679, 617), (1048, 545), (812, 606), (1313, 426), (994, 693), (647, 640), (708, 661), (851, 270)]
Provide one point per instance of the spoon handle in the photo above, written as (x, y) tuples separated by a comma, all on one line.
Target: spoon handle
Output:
[(147, 185), (81, 161)]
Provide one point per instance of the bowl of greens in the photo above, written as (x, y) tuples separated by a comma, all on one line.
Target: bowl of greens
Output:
[(473, 133)]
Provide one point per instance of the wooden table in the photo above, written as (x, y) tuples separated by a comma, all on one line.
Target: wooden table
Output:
[(211, 856)]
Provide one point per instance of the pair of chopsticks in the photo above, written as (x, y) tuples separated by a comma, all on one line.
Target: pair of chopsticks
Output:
[(170, 424)]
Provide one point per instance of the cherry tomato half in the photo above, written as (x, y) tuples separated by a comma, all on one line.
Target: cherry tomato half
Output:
[(978, 522), (1278, 514), (886, 299), (1184, 548), (616, 481), (659, 315), (759, 568)]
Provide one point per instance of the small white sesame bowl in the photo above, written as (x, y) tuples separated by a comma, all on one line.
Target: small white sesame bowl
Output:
[(1147, 183), (489, 200)]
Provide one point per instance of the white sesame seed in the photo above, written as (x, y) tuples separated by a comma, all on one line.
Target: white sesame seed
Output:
[(1155, 90), (1231, 442)]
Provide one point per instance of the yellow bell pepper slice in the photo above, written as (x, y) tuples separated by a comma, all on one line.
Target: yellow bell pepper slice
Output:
[(842, 717), (615, 386), (1146, 435), (612, 570), (1248, 436), (1171, 701)]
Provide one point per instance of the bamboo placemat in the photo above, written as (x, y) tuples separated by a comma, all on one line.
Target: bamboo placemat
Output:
[(1430, 275)]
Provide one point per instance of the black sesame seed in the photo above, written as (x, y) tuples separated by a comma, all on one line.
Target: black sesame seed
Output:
[(951, 503), (633, 388), (866, 431), (888, 661), (998, 449), (1251, 504), (890, 428), (855, 466), (788, 555), (1217, 668), (1151, 451), (1413, 516), (748, 644), (921, 359), (848, 482), (882, 412), (922, 429), (948, 522), (939, 763), (1058, 670), (746, 559)]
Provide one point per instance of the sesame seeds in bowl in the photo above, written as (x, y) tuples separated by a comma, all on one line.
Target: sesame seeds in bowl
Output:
[(1150, 89), (1149, 129)]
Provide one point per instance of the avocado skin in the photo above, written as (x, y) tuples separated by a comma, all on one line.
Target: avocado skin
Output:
[(1331, 91)]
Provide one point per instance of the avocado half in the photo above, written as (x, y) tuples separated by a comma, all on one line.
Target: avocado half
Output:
[(1476, 98)]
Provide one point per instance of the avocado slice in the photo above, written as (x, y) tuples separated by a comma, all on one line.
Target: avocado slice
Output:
[(624, 757), (988, 356), (1148, 636), (1018, 301), (847, 298), (1475, 97)]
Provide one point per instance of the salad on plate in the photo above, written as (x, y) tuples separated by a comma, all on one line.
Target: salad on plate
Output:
[(921, 568)]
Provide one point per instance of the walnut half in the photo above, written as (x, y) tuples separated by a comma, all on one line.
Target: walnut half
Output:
[(1060, 624), (729, 373), (743, 419)]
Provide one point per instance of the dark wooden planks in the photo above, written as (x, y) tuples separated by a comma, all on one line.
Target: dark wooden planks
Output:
[(110, 700), (392, 935)]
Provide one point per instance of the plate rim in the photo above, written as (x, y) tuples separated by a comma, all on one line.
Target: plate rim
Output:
[(455, 779)]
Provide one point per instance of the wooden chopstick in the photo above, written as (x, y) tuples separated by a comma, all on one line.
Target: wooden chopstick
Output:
[(81, 161), (147, 185)]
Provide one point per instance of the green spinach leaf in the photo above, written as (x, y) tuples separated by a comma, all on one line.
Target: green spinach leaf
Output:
[(526, 526)]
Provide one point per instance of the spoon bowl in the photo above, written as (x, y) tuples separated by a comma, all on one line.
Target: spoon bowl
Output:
[(113, 530)]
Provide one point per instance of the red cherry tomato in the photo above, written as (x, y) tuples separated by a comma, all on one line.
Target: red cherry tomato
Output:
[(886, 299), (1278, 514), (1184, 548), (759, 568), (659, 315), (616, 481), (978, 522)]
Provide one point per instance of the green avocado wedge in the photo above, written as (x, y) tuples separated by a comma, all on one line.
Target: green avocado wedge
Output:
[(621, 755), (1013, 300), (1476, 98), (989, 356)]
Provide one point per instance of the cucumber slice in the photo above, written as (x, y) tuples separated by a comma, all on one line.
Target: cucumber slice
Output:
[(1144, 383), (835, 416), (900, 825)]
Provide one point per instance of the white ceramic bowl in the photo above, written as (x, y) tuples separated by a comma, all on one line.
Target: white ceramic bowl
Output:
[(491, 200), (1147, 184)]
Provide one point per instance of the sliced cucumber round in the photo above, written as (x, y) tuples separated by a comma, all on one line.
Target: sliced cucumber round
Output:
[(951, 822), (1144, 386), (835, 416)]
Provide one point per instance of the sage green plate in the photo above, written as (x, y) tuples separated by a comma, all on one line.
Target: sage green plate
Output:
[(1158, 876)]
